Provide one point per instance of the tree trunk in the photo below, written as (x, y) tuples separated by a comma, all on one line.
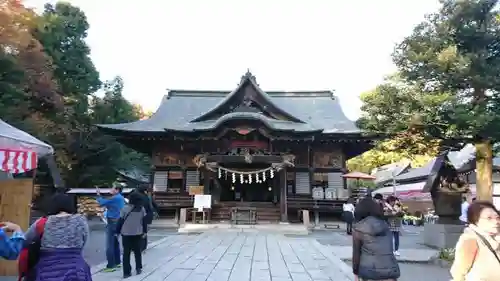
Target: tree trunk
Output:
[(484, 170)]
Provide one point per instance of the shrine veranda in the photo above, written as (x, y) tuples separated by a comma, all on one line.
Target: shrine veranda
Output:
[(277, 152)]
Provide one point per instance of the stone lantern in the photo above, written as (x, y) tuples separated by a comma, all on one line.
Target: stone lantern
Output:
[(447, 189)]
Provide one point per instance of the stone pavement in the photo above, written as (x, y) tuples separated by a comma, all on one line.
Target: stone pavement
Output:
[(406, 255), (229, 256), (411, 245)]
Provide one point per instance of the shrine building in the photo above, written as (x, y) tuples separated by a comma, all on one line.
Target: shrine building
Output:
[(276, 152)]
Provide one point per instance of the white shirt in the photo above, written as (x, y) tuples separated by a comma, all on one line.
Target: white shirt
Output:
[(348, 207), (463, 216)]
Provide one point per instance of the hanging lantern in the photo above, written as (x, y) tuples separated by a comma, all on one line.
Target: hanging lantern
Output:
[(250, 178), (220, 173), (234, 177), (272, 173), (270, 188), (257, 178), (241, 178), (263, 176)]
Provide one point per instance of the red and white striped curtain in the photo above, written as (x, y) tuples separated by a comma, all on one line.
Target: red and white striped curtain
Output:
[(17, 161)]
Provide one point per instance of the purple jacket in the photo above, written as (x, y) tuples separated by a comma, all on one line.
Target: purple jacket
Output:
[(62, 265)]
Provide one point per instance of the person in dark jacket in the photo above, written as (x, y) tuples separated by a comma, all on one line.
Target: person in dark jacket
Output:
[(373, 257), (147, 203)]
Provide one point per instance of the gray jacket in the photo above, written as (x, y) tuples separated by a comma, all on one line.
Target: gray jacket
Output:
[(373, 256), (132, 221)]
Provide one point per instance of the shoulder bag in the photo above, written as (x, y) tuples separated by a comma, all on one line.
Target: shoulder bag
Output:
[(488, 245)]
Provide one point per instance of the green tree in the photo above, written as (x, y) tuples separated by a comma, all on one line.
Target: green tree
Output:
[(29, 94), (397, 110), (87, 157), (388, 152), (62, 29), (457, 51)]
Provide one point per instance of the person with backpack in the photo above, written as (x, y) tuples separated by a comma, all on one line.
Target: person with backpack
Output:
[(55, 244), (10, 247), (132, 227), (149, 206)]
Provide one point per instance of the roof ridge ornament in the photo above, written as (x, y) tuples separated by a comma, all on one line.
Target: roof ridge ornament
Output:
[(248, 75), (332, 94)]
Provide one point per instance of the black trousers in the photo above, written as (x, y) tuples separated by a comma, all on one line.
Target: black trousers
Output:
[(144, 243), (349, 227), (131, 244)]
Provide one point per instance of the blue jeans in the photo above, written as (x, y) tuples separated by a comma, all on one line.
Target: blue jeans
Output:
[(395, 234), (112, 245)]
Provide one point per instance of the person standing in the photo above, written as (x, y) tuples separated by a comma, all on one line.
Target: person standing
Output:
[(348, 214), (466, 201), (132, 227), (394, 214), (10, 247), (477, 253), (147, 203), (372, 254), (113, 206), (64, 235)]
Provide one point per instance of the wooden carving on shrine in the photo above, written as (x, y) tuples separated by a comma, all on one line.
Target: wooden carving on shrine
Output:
[(302, 157), (163, 158), (328, 159)]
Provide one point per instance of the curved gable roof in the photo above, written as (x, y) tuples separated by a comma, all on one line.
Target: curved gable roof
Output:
[(248, 80)]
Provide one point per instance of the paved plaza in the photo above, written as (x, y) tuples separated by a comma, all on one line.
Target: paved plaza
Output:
[(220, 256)]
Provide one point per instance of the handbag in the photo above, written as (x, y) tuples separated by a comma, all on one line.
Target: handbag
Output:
[(488, 245)]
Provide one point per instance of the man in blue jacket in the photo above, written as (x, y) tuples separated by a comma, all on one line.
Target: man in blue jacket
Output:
[(10, 247), (113, 206)]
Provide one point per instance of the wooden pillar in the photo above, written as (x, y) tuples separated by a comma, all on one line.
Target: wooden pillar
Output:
[(283, 196), (206, 181)]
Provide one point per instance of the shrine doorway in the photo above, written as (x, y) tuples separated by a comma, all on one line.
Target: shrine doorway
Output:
[(243, 185)]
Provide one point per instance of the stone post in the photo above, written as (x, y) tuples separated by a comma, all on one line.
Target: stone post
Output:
[(305, 218), (182, 216), (283, 197)]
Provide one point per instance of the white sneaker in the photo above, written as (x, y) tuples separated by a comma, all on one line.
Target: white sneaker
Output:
[(396, 253)]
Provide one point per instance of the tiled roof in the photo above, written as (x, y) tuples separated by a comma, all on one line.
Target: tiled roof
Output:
[(314, 111), (387, 172)]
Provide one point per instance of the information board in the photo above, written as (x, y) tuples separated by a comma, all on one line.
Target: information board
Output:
[(202, 202)]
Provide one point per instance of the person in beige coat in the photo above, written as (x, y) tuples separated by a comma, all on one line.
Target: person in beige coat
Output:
[(477, 253)]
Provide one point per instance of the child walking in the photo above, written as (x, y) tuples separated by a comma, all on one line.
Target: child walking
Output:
[(133, 227)]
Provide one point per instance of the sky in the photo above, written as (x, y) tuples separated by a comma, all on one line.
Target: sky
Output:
[(289, 45)]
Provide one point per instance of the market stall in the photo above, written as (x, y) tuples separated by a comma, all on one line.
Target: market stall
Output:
[(86, 200), (19, 154), (359, 191)]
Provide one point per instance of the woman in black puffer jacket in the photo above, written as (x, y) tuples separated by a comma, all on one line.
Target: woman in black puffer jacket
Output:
[(373, 256)]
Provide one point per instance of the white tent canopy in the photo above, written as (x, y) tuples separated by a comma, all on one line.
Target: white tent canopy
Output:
[(14, 139)]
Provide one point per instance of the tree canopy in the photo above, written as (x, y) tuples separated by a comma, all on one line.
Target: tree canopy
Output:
[(51, 89), (397, 109), (451, 61)]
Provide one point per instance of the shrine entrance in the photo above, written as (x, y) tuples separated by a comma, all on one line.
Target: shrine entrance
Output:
[(248, 183)]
